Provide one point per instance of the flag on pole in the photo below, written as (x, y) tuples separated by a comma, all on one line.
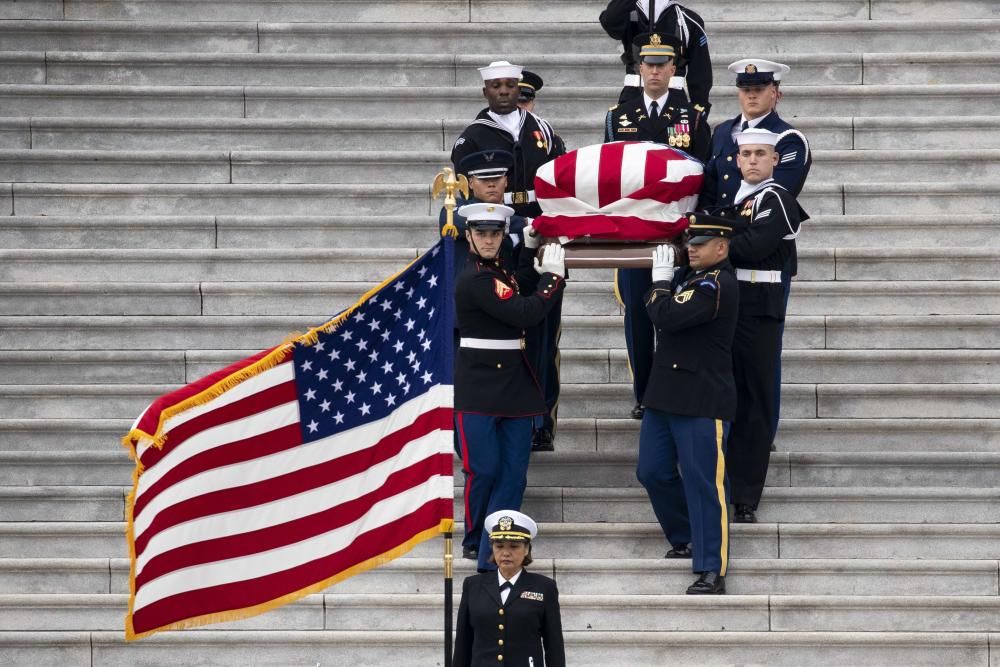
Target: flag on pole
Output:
[(300, 466), (629, 190)]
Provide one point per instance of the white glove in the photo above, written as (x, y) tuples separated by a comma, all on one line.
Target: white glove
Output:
[(553, 260), (663, 262), (532, 239)]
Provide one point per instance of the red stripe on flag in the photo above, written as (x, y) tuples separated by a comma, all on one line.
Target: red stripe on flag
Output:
[(655, 168), (609, 169), (565, 175), (297, 530), (238, 451), (669, 193), (609, 227), (150, 419), (245, 407), (282, 486), (249, 593)]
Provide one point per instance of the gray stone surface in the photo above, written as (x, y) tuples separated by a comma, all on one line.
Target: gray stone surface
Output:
[(943, 541), (92, 538), (914, 401), (902, 332), (194, 36), (151, 101), (67, 298), (894, 295), (15, 133), (41, 575), (920, 198), (889, 366), (84, 468), (44, 166), (107, 232), (900, 231), (823, 435), (919, 613), (59, 649)]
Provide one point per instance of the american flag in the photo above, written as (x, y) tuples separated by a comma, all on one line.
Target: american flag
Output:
[(300, 466), (630, 190)]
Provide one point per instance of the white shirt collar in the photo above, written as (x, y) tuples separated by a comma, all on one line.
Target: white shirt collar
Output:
[(747, 189), (512, 580), (661, 102), (510, 122)]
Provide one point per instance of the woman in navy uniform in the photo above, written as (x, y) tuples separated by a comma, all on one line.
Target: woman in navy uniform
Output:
[(691, 400), (511, 616), (496, 393)]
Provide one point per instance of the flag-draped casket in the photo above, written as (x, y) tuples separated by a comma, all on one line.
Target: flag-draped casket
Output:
[(624, 190)]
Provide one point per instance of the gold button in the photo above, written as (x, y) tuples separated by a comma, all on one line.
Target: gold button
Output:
[(725, 196), (500, 612), (501, 642), (500, 657), (500, 626), (675, 365), (726, 177), (546, 292), (729, 159), (499, 365)]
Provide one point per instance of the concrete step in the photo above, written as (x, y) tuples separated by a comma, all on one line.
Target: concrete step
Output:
[(812, 36), (77, 509), (60, 434), (934, 132), (225, 199), (435, 102), (734, 613), (44, 166), (947, 332), (108, 232), (876, 504), (583, 298), (377, 69), (809, 435), (423, 647), (897, 231), (884, 287)]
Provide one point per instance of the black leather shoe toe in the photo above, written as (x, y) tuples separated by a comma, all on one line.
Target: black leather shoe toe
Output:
[(679, 552), (638, 411), (709, 583), (470, 553), (542, 441), (744, 514)]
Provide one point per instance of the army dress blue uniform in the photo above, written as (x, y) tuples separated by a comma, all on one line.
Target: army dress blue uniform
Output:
[(626, 19), (679, 126), (760, 253), (690, 404), (496, 392)]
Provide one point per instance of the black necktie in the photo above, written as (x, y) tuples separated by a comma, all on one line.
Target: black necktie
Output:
[(744, 126), (654, 111), (505, 586)]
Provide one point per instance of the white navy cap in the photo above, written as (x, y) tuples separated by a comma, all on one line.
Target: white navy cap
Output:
[(486, 216), (510, 525), (756, 135), (500, 69), (757, 72)]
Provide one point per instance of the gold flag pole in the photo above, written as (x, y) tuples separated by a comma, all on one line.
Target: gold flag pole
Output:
[(448, 182)]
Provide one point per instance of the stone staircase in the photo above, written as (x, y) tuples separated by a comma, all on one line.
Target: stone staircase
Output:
[(184, 182)]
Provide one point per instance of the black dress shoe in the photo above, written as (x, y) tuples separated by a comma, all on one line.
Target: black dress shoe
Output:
[(679, 552), (709, 583), (638, 411), (542, 441), (744, 514), (470, 553)]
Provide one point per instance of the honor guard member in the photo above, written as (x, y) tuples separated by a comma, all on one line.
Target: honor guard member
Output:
[(511, 616), (760, 253), (625, 19), (659, 115), (691, 400), (529, 85), (503, 126), (758, 86), (496, 394), (487, 172)]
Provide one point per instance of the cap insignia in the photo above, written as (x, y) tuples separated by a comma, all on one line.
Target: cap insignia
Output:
[(505, 523), (654, 40), (490, 209), (751, 69)]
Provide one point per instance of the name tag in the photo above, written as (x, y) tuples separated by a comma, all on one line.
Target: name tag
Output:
[(628, 129), (531, 595)]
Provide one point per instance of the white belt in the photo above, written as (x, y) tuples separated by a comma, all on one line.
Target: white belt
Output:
[(632, 80), (754, 276), (493, 343), (522, 197)]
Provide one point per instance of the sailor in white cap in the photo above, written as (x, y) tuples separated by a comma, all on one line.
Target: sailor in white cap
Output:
[(760, 253), (758, 83), (510, 616), (496, 393)]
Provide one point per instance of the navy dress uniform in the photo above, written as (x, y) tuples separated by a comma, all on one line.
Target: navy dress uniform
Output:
[(760, 253), (521, 625), (690, 403), (625, 19), (528, 88), (496, 393), (678, 125), (528, 137)]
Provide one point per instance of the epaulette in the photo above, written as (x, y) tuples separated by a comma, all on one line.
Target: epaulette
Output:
[(613, 108), (699, 108)]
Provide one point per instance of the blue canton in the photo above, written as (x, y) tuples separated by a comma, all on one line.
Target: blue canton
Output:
[(394, 346)]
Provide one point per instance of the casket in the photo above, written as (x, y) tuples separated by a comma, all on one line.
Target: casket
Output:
[(611, 204)]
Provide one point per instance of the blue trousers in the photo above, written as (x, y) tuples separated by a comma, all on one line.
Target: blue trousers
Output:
[(786, 286), (682, 465), (640, 336), (495, 453)]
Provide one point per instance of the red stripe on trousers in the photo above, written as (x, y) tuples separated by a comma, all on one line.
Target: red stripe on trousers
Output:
[(609, 174), (466, 468), (243, 594), (276, 488), (296, 530)]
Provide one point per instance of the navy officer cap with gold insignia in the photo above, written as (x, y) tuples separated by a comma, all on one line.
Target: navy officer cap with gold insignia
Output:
[(702, 228), (529, 84), (486, 216), (752, 72), (656, 48), (511, 525), (487, 164)]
